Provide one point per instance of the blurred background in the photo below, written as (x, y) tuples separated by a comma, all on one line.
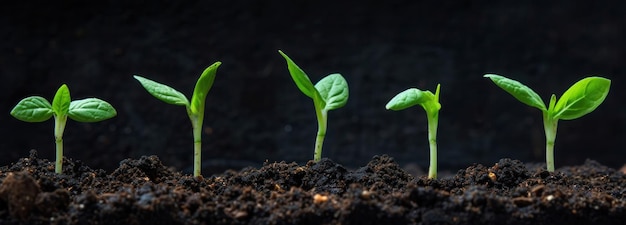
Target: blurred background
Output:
[(254, 111)]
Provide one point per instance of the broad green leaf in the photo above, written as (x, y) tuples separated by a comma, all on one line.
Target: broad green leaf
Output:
[(32, 109), (411, 97), (334, 91), (521, 92), (299, 77), (203, 85), (90, 110), (163, 92), (61, 101), (581, 98)]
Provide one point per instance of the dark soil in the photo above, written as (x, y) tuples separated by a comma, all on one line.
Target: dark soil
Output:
[(144, 191)]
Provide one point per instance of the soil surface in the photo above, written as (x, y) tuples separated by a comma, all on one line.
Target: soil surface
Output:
[(144, 191)]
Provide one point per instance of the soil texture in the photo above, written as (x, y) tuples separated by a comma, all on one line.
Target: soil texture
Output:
[(144, 191)]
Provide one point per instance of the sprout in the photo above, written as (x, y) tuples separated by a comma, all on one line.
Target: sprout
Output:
[(329, 93), (581, 98), (430, 103), (38, 109), (195, 108)]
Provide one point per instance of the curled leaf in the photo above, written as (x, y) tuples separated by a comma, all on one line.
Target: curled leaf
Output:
[(410, 97), (61, 101), (203, 85)]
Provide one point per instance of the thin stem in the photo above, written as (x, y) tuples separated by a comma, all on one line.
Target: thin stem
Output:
[(196, 124), (550, 126), (59, 127), (433, 119), (322, 118)]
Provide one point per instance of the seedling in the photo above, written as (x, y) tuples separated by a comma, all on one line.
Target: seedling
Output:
[(430, 103), (38, 109), (195, 108), (581, 98), (331, 92)]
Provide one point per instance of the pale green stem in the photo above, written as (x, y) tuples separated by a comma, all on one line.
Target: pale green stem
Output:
[(196, 124), (59, 127), (550, 126), (322, 118), (433, 119)]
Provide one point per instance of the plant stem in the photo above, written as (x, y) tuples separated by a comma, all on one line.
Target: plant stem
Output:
[(59, 127), (196, 124), (433, 119), (322, 118), (550, 126)]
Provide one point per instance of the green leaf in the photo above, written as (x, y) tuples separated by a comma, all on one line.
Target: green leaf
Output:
[(163, 92), (552, 103), (334, 91), (521, 92), (203, 85), (90, 110), (32, 109), (411, 97), (61, 101), (581, 98), (299, 77)]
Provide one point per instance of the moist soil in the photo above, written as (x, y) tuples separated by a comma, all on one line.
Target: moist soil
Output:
[(144, 191)]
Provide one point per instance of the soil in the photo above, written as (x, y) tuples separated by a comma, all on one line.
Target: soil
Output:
[(144, 191)]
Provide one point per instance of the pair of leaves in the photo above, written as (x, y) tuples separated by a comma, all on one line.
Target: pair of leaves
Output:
[(414, 96), (38, 109), (331, 91), (172, 96), (580, 99)]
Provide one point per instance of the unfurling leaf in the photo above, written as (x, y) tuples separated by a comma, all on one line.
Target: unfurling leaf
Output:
[(203, 85), (61, 101)]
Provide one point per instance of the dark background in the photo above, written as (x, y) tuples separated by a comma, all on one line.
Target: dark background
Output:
[(255, 112)]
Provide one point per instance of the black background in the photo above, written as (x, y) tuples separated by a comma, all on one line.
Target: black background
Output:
[(255, 112)]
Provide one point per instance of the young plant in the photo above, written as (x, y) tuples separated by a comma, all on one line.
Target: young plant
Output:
[(331, 92), (195, 108), (430, 103), (581, 98), (38, 109)]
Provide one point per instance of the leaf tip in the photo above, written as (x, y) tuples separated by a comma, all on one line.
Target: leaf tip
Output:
[(138, 78), (491, 76), (388, 106)]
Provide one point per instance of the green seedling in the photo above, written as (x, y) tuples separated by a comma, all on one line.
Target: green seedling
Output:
[(38, 109), (195, 108), (331, 92), (581, 98), (430, 103)]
